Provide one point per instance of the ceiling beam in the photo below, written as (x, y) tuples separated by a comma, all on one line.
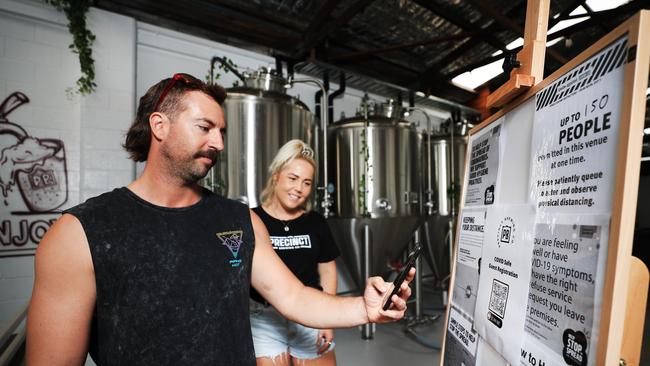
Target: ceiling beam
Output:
[(313, 38), (210, 20), (507, 22), (460, 23), (597, 17), (433, 76), (321, 16), (362, 54)]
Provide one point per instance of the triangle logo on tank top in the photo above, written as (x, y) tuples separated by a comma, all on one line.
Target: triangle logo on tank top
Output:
[(233, 241)]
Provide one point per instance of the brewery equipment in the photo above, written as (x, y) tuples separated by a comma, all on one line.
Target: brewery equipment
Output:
[(260, 118), (374, 163), (443, 163)]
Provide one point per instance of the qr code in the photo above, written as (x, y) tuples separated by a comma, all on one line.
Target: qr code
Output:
[(499, 298)]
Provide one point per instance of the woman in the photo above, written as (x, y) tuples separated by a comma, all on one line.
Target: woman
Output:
[(303, 241)]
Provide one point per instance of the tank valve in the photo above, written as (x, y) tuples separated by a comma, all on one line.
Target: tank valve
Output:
[(384, 204)]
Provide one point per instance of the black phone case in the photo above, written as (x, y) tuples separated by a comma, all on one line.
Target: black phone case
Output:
[(402, 276)]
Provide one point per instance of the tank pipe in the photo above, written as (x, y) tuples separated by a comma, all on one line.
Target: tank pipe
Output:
[(455, 115), (290, 68), (429, 202), (418, 277), (366, 329), (318, 97), (278, 66), (226, 65), (330, 99), (327, 201)]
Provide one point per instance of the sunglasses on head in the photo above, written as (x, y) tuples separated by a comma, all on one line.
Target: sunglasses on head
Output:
[(185, 78)]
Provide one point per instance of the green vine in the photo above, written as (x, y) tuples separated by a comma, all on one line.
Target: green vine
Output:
[(221, 66), (82, 40)]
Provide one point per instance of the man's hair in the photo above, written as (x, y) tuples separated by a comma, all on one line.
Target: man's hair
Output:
[(138, 138), (292, 150)]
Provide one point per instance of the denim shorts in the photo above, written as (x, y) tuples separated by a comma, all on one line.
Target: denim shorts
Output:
[(273, 334)]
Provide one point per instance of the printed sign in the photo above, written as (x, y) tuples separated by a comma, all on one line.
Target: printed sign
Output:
[(575, 135), (500, 314), (565, 283), (484, 160), (461, 349)]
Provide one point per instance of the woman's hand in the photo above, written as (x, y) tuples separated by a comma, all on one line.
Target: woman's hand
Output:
[(324, 341)]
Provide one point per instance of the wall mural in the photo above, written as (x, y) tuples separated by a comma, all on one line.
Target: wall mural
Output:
[(33, 183)]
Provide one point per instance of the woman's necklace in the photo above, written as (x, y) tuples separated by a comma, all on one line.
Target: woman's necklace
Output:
[(285, 223)]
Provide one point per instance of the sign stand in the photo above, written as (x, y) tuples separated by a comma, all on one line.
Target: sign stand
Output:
[(530, 60), (635, 319), (626, 279)]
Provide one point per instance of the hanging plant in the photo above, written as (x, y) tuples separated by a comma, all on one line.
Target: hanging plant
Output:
[(82, 40)]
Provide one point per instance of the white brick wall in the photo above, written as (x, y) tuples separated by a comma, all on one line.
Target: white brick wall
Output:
[(35, 59)]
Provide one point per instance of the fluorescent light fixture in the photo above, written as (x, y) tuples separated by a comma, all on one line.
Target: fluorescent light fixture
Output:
[(472, 79), (647, 92), (516, 43), (580, 10), (419, 94), (566, 23), (646, 131), (550, 43), (600, 5)]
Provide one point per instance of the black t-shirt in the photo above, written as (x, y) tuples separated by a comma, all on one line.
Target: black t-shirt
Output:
[(172, 283), (307, 243)]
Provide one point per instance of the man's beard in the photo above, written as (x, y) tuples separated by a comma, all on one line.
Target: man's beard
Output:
[(189, 169)]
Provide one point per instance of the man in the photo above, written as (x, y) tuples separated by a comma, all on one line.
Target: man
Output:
[(159, 272)]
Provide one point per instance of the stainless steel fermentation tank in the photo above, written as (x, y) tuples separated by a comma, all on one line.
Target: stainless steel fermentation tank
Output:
[(442, 159), (260, 118), (373, 159)]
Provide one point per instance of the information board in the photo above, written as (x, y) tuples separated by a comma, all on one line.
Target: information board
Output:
[(545, 228)]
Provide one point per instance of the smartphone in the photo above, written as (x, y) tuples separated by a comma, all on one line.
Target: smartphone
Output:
[(402, 276)]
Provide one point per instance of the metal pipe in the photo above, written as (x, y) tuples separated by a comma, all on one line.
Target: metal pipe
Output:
[(330, 99), (278, 66), (452, 209), (418, 277), (367, 331), (327, 201)]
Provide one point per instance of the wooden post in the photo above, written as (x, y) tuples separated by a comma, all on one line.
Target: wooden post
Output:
[(531, 56), (637, 298)]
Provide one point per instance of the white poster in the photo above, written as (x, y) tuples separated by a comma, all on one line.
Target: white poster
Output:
[(569, 259), (484, 161), (505, 275), (461, 349), (575, 135), (470, 246)]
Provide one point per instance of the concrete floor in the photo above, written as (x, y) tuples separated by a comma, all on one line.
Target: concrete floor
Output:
[(390, 346)]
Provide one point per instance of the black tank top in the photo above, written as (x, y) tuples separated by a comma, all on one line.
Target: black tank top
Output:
[(172, 283)]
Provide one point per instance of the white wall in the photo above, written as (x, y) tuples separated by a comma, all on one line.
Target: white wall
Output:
[(35, 60)]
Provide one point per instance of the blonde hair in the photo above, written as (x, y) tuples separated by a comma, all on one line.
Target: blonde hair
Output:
[(292, 150)]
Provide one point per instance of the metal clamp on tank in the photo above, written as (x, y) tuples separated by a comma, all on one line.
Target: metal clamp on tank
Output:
[(411, 197), (383, 204)]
